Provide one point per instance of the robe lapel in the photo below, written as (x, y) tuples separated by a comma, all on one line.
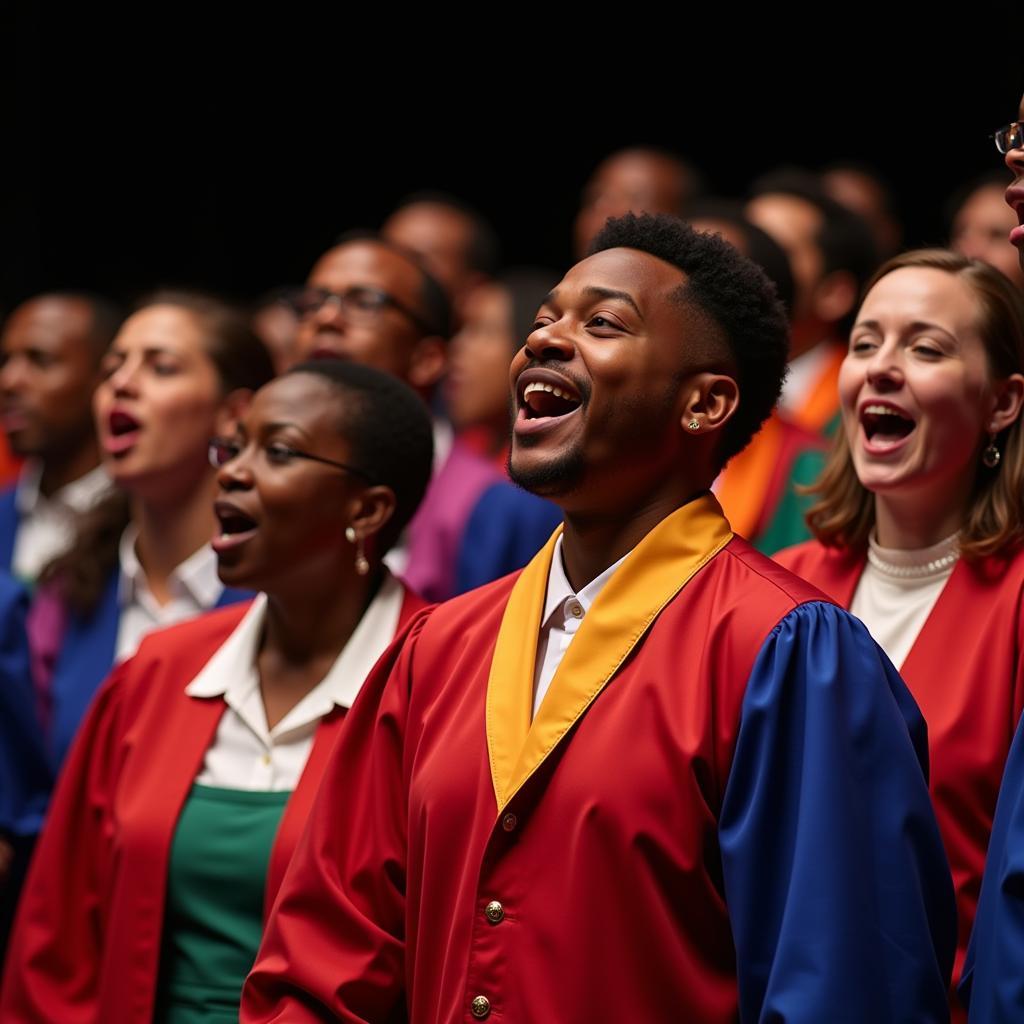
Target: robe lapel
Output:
[(653, 573), (296, 812)]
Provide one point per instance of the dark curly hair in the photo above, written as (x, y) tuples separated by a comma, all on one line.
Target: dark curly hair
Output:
[(389, 429), (730, 291)]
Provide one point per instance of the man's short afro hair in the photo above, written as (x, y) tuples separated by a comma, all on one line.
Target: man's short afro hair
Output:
[(735, 294)]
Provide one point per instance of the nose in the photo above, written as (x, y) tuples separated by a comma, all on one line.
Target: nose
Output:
[(330, 314), (12, 374), (1014, 159), (884, 372), (123, 381), (236, 473), (549, 342)]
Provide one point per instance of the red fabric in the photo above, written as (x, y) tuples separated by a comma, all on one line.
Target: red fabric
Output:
[(367, 916), (86, 942), (966, 672)]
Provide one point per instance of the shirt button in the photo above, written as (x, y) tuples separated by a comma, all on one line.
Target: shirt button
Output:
[(509, 822), (576, 609), (494, 912), (266, 760), (480, 1007)]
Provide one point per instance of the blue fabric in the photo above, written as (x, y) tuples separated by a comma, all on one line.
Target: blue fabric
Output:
[(836, 880), (506, 528), (24, 777), (8, 527), (86, 657), (992, 986)]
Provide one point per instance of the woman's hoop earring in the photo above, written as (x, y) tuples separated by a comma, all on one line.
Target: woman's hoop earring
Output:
[(991, 455)]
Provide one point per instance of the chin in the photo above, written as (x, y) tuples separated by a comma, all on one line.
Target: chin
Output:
[(547, 478)]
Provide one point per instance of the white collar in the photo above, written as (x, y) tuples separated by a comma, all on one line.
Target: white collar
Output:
[(559, 587), (444, 438), (79, 496), (196, 576), (231, 672)]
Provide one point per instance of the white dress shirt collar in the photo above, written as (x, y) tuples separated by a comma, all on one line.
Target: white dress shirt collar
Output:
[(559, 587), (196, 578), (78, 496), (231, 672)]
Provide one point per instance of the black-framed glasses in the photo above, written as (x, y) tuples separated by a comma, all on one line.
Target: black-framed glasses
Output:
[(361, 304), (223, 449), (1010, 136)]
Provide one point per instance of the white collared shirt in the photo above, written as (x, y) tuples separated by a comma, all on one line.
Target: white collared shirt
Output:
[(194, 586), (564, 611), (245, 754), (46, 526)]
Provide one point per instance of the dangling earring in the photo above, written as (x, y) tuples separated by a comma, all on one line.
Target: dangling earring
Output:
[(693, 425), (991, 455), (362, 565)]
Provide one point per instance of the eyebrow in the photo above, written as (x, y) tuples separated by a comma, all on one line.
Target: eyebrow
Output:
[(270, 428), (913, 328), (595, 292)]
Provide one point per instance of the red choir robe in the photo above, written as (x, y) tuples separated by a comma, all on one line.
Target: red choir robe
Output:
[(718, 810), (966, 672), (87, 938)]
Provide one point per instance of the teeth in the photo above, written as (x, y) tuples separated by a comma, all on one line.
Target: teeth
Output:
[(557, 392), (883, 410)]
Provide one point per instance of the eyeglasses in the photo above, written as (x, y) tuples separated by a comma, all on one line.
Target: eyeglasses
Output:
[(222, 450), (360, 304), (1009, 137)]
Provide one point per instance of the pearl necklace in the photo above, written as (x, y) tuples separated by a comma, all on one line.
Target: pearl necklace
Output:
[(930, 568)]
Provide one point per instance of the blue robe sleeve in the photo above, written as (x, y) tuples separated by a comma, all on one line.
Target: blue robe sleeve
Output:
[(25, 780), (835, 877), (992, 986), (506, 528)]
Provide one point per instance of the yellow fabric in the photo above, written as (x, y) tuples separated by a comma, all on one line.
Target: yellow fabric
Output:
[(652, 574)]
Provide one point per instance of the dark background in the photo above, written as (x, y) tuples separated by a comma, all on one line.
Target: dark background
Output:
[(171, 154)]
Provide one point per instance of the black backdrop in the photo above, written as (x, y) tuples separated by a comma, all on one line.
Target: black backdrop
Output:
[(166, 153)]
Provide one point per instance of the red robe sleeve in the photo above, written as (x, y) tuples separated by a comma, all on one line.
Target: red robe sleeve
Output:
[(335, 940), (52, 970)]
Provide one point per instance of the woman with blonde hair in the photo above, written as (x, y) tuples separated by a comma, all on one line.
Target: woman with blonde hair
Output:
[(920, 518)]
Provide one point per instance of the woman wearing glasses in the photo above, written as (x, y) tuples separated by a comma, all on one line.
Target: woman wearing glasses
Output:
[(188, 786), (920, 522), (179, 370)]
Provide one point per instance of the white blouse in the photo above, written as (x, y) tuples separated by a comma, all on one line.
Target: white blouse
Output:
[(245, 754), (897, 591)]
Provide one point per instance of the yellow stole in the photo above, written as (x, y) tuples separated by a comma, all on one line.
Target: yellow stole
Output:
[(652, 574)]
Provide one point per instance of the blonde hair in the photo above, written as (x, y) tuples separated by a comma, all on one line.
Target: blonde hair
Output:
[(844, 514)]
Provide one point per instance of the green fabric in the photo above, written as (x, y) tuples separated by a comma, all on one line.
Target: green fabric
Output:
[(213, 920), (788, 526)]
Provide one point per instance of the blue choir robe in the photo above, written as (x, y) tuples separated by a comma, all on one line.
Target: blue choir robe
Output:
[(9, 520), (992, 986), (85, 658), (719, 812), (506, 528), (24, 775)]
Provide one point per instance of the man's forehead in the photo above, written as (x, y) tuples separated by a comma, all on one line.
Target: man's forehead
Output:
[(639, 274), (365, 262), (50, 318)]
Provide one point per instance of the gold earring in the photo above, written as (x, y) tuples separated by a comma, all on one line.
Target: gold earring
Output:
[(693, 425), (362, 565), (991, 455)]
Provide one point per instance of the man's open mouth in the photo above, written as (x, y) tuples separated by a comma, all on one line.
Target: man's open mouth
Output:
[(544, 401)]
